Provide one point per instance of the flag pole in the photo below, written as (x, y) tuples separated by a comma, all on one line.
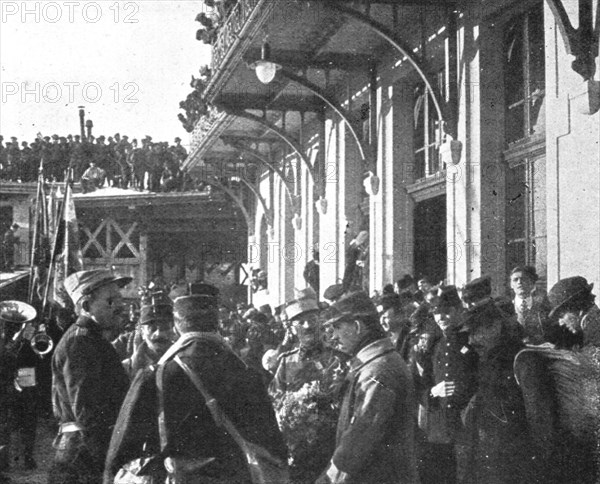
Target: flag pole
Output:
[(34, 244), (61, 216)]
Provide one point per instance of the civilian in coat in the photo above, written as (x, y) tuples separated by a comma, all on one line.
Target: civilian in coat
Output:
[(496, 413), (573, 309), (530, 306), (191, 439), (561, 387), (375, 434), (88, 381)]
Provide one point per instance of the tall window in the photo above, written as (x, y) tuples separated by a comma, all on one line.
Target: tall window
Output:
[(524, 136), (524, 76), (426, 136)]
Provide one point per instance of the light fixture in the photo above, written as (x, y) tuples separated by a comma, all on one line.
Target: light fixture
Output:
[(371, 184), (297, 221), (321, 205), (451, 151), (265, 69)]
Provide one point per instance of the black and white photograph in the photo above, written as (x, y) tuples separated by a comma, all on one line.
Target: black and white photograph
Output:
[(300, 242)]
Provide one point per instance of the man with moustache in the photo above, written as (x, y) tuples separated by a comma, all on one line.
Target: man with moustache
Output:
[(375, 432), (312, 359), (88, 380), (157, 335), (165, 415)]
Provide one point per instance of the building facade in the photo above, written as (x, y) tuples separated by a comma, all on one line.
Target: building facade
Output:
[(460, 135)]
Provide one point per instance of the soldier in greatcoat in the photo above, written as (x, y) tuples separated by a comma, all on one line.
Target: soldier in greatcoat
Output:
[(187, 435), (375, 433)]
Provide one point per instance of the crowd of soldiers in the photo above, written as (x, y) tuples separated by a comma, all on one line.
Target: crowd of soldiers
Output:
[(427, 383), (96, 162)]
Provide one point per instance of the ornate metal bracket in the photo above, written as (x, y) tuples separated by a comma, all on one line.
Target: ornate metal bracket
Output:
[(257, 155), (581, 42), (317, 91), (281, 133), (238, 201)]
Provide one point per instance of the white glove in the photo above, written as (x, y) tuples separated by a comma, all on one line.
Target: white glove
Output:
[(444, 389)]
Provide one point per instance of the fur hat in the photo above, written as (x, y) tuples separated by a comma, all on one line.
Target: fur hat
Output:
[(477, 289)]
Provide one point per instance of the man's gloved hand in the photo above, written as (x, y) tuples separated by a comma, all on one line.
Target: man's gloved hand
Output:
[(444, 389)]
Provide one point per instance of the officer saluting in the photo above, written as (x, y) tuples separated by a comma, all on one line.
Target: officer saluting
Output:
[(88, 381)]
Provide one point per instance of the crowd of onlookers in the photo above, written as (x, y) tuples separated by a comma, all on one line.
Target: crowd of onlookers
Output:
[(419, 382), (478, 366), (115, 161)]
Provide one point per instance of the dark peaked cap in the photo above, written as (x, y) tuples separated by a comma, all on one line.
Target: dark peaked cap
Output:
[(352, 305)]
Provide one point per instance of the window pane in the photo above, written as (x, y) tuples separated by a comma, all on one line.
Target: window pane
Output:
[(515, 255), (516, 195), (515, 123), (419, 164), (514, 82), (535, 21)]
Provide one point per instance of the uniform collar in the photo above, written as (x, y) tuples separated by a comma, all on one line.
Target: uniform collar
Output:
[(370, 352), (88, 323)]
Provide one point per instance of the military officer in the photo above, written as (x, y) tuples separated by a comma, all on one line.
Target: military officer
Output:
[(375, 431), (312, 360), (448, 383), (88, 380), (157, 334), (186, 435)]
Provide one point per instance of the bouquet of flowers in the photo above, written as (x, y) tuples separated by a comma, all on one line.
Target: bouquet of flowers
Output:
[(307, 419)]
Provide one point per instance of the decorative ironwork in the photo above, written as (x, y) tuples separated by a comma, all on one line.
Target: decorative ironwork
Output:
[(230, 31)]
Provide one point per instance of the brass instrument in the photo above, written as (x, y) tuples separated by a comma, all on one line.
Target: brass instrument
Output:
[(18, 312)]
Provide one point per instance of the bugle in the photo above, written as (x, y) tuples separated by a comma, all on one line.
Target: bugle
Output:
[(18, 312)]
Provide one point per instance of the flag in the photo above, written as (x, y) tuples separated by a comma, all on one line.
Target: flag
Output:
[(66, 257), (40, 246)]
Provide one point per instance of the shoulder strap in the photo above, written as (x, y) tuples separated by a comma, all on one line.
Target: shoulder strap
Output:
[(220, 418), (251, 451), (162, 426)]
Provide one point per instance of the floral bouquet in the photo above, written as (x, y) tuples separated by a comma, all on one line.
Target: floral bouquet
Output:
[(307, 419)]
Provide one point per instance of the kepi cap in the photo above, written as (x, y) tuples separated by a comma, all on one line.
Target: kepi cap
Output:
[(446, 297), (306, 301)]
